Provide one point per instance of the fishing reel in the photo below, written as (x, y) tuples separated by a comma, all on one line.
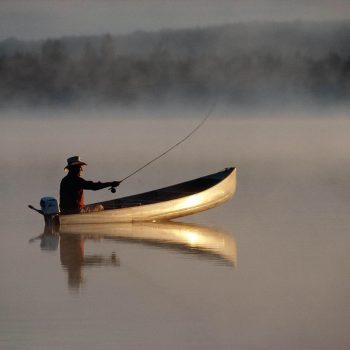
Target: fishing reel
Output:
[(112, 189)]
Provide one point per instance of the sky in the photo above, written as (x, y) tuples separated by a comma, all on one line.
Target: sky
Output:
[(37, 19)]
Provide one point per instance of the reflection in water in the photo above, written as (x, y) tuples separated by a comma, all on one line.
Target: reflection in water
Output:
[(186, 238), (74, 260), (181, 237), (72, 255), (49, 240)]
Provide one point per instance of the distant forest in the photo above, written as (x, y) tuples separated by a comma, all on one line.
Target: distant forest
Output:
[(245, 64)]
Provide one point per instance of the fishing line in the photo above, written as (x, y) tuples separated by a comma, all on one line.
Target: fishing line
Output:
[(210, 111)]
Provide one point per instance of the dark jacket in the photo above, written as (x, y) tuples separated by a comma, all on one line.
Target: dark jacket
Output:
[(72, 192)]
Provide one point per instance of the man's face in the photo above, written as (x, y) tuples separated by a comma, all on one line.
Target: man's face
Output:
[(76, 170)]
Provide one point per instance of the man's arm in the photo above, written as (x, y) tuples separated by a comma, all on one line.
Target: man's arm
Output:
[(94, 186)]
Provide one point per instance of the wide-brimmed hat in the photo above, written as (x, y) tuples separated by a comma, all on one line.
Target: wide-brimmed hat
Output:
[(75, 160)]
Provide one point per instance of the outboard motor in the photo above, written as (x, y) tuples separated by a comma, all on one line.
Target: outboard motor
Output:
[(51, 210)]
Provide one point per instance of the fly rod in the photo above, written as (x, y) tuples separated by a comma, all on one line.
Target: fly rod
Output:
[(210, 111)]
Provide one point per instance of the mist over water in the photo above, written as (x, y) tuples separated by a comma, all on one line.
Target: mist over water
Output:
[(267, 270), (259, 64), (288, 287)]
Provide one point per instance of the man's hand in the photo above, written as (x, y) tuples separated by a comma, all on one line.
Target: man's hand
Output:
[(115, 183)]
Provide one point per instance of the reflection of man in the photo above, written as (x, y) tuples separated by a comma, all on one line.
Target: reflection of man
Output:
[(73, 186), (74, 260)]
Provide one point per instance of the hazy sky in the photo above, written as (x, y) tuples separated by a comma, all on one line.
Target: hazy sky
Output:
[(32, 19)]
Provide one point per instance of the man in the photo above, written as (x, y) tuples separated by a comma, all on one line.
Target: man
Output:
[(73, 186)]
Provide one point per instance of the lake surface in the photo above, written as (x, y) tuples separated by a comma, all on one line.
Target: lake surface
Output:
[(268, 270)]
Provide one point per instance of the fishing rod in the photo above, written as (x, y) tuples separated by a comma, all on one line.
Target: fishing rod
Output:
[(210, 111)]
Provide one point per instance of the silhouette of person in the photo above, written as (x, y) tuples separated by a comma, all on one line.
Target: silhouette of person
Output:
[(73, 185)]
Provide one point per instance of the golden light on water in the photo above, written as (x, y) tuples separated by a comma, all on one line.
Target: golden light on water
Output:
[(182, 237), (192, 238)]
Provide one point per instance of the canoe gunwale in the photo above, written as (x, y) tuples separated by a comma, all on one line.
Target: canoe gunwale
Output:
[(166, 193)]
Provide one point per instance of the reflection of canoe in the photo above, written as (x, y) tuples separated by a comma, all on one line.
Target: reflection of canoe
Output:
[(167, 203), (187, 238)]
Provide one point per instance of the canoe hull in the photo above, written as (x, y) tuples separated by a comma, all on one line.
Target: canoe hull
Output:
[(165, 210)]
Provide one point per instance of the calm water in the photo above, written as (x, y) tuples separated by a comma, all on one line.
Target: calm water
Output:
[(268, 270)]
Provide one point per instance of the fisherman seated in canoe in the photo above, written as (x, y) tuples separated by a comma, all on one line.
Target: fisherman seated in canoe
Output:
[(73, 185)]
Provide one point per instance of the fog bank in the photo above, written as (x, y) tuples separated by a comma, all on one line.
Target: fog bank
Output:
[(245, 65)]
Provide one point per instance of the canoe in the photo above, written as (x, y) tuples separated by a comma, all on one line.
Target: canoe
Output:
[(163, 204), (205, 242)]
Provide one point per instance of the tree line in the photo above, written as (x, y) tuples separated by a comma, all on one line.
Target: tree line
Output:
[(53, 75)]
